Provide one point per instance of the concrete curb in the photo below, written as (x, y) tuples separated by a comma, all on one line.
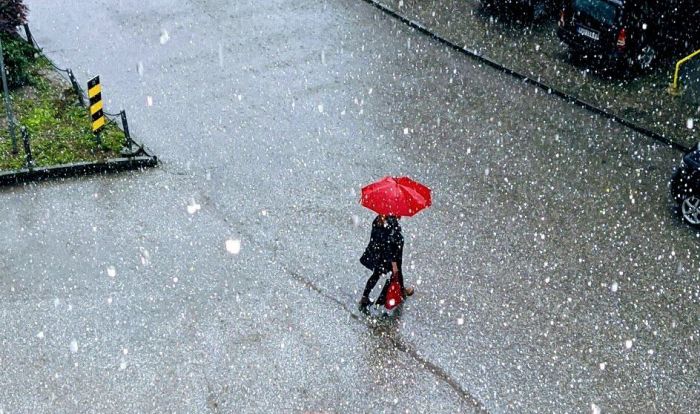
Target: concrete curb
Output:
[(553, 91), (76, 169)]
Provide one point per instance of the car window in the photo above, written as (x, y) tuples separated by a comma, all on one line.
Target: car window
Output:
[(599, 10)]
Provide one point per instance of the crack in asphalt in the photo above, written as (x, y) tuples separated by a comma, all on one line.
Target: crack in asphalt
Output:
[(433, 368)]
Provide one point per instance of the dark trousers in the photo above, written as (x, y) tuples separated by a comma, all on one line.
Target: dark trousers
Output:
[(372, 281)]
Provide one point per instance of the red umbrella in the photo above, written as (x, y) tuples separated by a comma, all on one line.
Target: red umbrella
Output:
[(396, 196)]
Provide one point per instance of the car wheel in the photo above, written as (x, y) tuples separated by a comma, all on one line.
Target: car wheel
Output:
[(646, 57), (690, 209)]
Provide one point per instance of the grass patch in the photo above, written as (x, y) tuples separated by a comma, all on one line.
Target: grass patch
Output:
[(59, 127)]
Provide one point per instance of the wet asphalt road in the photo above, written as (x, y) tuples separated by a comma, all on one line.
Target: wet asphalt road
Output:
[(551, 274)]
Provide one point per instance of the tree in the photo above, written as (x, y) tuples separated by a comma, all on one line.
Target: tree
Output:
[(13, 13)]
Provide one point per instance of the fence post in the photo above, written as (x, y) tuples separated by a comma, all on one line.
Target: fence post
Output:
[(30, 38), (27, 148), (125, 125), (76, 87)]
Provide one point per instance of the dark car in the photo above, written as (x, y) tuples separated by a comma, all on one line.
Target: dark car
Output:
[(528, 9), (685, 186), (630, 34)]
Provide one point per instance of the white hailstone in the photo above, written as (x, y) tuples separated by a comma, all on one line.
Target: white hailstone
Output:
[(614, 287), (193, 207), (175, 279), (419, 281), (109, 300), (650, 352), (537, 48), (690, 123), (74, 346), (40, 335), (240, 97), (487, 171), (602, 365), (595, 409), (320, 108), (264, 213), (469, 150), (546, 280), (164, 36), (405, 131), (122, 365), (460, 321), (125, 351), (111, 271), (233, 246), (628, 344), (149, 100)]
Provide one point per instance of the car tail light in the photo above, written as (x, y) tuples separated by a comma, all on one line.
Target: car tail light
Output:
[(622, 39)]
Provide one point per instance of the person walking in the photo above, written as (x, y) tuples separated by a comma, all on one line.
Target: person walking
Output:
[(383, 254)]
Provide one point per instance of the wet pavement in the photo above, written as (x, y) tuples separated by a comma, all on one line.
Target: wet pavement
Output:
[(551, 273), (533, 49)]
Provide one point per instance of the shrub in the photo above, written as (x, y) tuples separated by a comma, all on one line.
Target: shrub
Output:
[(19, 57), (13, 13)]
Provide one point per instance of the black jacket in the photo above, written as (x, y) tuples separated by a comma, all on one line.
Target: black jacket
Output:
[(385, 246)]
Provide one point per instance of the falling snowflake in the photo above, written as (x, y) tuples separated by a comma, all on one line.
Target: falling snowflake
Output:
[(145, 256), (595, 409), (460, 321), (233, 246), (614, 287), (111, 271), (164, 36), (320, 108), (193, 207), (40, 335), (74, 346), (628, 344), (690, 123)]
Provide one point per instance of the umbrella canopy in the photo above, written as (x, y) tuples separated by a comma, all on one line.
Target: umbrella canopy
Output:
[(396, 196)]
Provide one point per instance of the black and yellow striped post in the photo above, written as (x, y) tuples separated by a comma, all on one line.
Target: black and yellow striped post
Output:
[(96, 113)]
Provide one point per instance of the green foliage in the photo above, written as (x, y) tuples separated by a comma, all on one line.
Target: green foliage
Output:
[(19, 58)]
